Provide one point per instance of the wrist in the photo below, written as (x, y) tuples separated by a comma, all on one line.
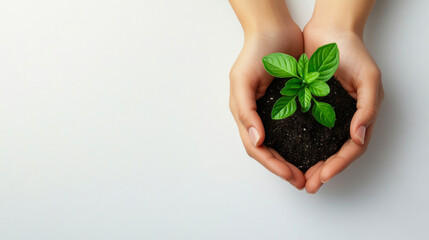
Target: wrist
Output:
[(325, 26), (271, 29), (259, 26), (336, 24), (344, 16), (261, 16)]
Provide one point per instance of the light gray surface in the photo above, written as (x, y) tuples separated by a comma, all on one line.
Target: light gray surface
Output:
[(114, 125)]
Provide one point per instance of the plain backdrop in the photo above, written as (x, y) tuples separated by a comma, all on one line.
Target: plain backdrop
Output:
[(114, 124)]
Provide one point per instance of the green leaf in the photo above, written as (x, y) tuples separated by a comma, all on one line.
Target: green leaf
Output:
[(294, 83), (310, 77), (303, 65), (304, 98), (280, 65), (283, 108), (324, 113), (292, 87), (291, 92), (325, 61), (319, 88)]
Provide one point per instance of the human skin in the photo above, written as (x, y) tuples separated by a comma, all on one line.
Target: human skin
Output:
[(343, 22), (268, 27)]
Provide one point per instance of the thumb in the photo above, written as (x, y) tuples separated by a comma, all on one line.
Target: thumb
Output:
[(250, 119), (368, 91), (245, 111)]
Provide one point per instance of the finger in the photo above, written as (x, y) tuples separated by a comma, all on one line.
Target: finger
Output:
[(298, 178), (312, 169), (368, 94), (349, 152), (338, 162), (266, 157), (244, 98), (313, 184)]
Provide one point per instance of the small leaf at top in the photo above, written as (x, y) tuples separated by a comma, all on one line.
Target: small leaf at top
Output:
[(319, 88), (325, 60), (283, 108), (310, 77), (304, 98), (324, 114), (302, 65), (280, 65)]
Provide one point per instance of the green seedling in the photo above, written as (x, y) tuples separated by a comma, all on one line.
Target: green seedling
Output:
[(308, 78)]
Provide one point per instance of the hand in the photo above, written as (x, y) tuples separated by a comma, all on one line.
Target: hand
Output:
[(360, 76), (248, 82)]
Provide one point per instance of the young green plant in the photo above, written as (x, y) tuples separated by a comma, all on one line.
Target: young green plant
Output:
[(308, 79)]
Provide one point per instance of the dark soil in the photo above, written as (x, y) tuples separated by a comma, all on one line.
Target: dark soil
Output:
[(300, 139)]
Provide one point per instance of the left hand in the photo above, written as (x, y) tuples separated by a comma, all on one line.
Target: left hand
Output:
[(248, 82), (361, 78)]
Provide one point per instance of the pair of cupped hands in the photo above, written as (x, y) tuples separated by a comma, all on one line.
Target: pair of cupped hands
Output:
[(357, 72)]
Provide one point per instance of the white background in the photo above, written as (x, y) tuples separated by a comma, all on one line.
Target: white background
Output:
[(114, 124)]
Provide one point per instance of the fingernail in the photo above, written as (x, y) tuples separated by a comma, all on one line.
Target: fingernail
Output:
[(360, 134), (254, 135)]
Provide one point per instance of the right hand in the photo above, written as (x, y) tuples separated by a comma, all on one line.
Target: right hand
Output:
[(361, 78), (248, 82)]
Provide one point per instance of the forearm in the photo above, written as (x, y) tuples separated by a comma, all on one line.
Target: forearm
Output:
[(343, 14), (261, 15)]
